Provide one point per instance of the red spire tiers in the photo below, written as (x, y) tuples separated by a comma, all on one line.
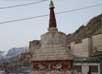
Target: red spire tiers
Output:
[(52, 19)]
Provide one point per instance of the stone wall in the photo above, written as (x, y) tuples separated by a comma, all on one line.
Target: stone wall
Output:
[(81, 49), (35, 44), (87, 46), (97, 42)]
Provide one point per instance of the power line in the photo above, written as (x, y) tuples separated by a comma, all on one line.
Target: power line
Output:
[(87, 7), (23, 19), (73, 10), (23, 4)]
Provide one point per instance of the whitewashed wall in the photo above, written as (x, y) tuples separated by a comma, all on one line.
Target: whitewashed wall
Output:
[(97, 42), (81, 49)]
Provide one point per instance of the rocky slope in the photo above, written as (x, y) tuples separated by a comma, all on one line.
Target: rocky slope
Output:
[(93, 27)]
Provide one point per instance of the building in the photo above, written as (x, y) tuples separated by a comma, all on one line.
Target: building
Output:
[(19, 62), (77, 53), (51, 55), (86, 46)]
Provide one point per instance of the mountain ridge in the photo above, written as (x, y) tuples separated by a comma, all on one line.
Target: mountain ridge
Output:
[(93, 27)]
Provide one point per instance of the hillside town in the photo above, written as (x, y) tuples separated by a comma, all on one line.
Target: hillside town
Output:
[(58, 53)]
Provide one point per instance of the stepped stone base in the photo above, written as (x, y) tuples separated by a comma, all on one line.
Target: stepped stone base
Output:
[(52, 67)]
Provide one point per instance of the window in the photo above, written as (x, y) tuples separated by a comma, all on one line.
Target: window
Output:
[(78, 68), (93, 68)]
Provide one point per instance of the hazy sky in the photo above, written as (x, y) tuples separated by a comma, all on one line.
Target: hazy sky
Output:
[(18, 34)]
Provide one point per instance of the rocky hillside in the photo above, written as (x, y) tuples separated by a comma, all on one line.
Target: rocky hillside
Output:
[(16, 51), (93, 27)]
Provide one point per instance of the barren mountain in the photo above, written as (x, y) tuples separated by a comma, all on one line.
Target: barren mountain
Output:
[(93, 27)]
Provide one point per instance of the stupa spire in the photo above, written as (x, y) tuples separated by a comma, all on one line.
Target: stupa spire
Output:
[(52, 19), (51, 4)]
